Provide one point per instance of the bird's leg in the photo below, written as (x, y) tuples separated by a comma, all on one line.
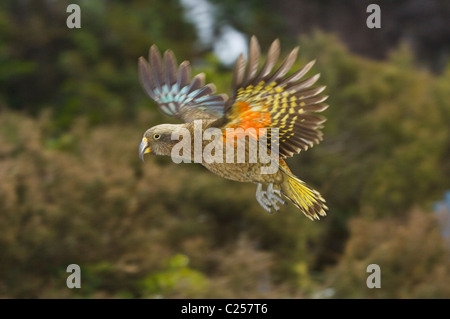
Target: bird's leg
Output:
[(261, 198), (270, 198), (274, 196)]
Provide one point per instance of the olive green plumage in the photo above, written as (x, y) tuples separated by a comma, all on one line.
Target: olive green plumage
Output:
[(262, 100)]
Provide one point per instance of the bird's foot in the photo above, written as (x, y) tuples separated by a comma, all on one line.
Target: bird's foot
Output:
[(269, 198)]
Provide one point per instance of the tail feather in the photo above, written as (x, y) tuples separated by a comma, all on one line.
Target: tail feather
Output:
[(308, 200)]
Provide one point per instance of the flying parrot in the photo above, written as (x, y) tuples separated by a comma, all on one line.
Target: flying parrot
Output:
[(267, 101)]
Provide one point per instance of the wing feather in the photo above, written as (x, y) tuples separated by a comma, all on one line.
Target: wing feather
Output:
[(176, 94), (270, 99)]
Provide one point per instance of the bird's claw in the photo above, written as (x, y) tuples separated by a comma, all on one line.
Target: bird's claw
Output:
[(269, 198)]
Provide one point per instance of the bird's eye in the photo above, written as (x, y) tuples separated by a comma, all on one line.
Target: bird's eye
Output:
[(156, 136)]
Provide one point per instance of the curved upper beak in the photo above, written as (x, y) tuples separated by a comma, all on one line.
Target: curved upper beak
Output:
[(143, 148)]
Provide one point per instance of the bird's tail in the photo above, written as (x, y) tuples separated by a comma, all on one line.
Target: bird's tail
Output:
[(310, 202)]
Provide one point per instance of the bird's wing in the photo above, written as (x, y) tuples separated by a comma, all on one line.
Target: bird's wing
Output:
[(174, 91), (266, 99)]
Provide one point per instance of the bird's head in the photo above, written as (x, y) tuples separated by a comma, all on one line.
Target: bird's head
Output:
[(158, 140)]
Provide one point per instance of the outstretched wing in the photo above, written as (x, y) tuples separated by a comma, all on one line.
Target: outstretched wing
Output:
[(173, 90), (267, 99)]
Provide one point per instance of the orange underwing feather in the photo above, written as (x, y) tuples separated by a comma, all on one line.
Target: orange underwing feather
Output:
[(268, 99)]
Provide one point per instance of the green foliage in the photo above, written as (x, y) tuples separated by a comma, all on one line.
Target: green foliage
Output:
[(413, 259), (89, 71), (384, 119), (93, 203), (176, 276)]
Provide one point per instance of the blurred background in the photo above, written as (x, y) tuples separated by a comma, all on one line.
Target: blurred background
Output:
[(72, 114)]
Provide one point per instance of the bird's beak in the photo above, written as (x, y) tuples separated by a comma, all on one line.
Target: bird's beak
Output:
[(143, 148)]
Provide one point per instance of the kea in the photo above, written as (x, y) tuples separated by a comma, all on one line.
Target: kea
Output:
[(266, 105)]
